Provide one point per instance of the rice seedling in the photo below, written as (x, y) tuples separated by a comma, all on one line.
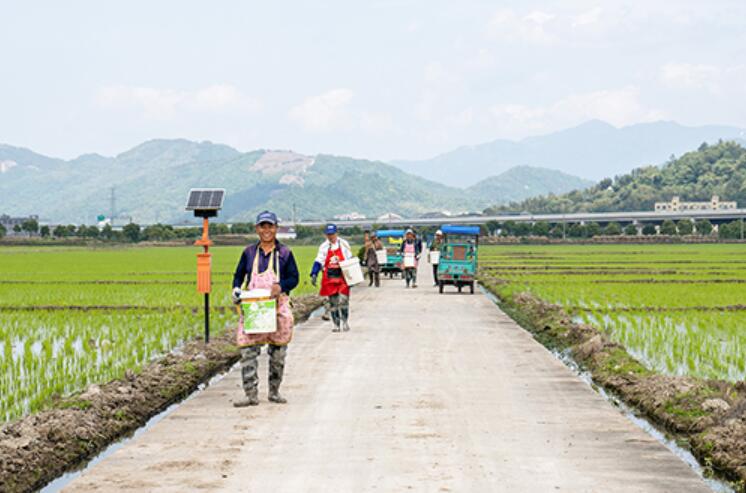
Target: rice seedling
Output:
[(72, 317), (679, 309)]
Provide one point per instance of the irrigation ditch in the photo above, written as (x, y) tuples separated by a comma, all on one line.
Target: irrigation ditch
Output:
[(705, 417), (71, 431)]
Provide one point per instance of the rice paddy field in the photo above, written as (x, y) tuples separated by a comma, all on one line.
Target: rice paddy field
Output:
[(678, 309), (74, 316)]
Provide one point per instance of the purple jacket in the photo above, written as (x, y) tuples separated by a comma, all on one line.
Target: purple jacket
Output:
[(288, 269)]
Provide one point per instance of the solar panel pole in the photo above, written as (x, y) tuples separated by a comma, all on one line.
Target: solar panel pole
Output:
[(205, 203), (204, 281)]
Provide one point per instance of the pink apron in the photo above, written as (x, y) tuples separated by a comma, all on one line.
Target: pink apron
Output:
[(265, 280), (409, 250)]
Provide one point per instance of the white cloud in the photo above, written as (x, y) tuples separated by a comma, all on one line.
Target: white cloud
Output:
[(619, 107), (324, 112), (586, 18), (690, 76), (508, 25), (168, 103)]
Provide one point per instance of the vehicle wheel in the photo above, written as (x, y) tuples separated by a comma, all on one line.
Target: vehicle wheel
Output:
[(471, 288), (440, 287)]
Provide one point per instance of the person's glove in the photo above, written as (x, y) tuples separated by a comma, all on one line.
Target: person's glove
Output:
[(236, 296), (313, 279)]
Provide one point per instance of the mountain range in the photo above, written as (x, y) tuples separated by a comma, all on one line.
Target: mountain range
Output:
[(151, 181), (593, 150)]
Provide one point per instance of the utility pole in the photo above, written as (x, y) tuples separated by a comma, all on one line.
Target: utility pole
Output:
[(113, 206)]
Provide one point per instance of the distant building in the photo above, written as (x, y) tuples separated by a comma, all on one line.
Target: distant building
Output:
[(10, 222), (435, 215), (676, 205), (351, 216), (286, 232), (390, 216)]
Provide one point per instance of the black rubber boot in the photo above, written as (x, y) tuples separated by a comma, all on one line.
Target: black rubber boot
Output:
[(251, 399)]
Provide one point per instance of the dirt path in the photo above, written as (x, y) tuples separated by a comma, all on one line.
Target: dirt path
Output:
[(427, 392)]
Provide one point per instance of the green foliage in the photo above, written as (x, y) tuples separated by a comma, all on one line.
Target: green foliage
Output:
[(577, 230), (131, 232), (158, 232), (242, 228), (303, 232), (703, 227), (712, 170), (685, 227), (30, 226), (630, 230), (592, 229), (668, 227), (59, 231), (44, 231), (613, 229), (540, 228), (107, 233), (649, 230), (732, 230), (219, 229), (3, 231)]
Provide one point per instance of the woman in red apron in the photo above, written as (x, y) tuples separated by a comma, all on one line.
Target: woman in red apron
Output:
[(333, 284)]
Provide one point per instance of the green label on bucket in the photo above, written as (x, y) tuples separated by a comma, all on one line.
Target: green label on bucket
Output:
[(259, 317)]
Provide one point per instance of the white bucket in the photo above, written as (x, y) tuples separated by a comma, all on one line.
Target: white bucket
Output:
[(382, 256), (408, 260), (258, 312), (434, 257), (352, 271)]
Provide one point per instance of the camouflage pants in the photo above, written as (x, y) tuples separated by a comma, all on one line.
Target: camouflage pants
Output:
[(339, 306), (250, 365), (410, 275)]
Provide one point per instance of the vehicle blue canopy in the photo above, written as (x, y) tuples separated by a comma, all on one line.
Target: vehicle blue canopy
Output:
[(390, 233), (450, 229)]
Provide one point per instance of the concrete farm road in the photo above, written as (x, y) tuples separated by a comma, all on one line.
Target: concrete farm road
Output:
[(428, 392)]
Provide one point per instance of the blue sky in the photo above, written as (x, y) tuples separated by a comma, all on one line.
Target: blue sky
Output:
[(376, 79)]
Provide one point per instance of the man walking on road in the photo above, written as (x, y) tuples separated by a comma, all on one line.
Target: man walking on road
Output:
[(333, 284), (435, 247), (372, 246), (411, 249), (269, 265)]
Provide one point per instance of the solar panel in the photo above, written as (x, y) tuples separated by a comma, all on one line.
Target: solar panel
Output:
[(205, 199)]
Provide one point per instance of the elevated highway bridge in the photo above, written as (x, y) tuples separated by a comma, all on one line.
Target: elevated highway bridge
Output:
[(637, 217)]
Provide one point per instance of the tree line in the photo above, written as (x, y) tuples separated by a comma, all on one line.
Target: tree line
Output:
[(684, 227), (130, 233)]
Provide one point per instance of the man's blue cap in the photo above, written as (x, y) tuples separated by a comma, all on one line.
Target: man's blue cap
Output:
[(330, 229), (266, 217)]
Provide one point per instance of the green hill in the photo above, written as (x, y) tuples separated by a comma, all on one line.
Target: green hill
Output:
[(696, 176), (151, 182), (522, 182)]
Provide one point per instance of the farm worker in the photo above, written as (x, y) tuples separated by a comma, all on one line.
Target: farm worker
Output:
[(270, 265), (435, 247), (333, 285), (372, 245), (412, 247)]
